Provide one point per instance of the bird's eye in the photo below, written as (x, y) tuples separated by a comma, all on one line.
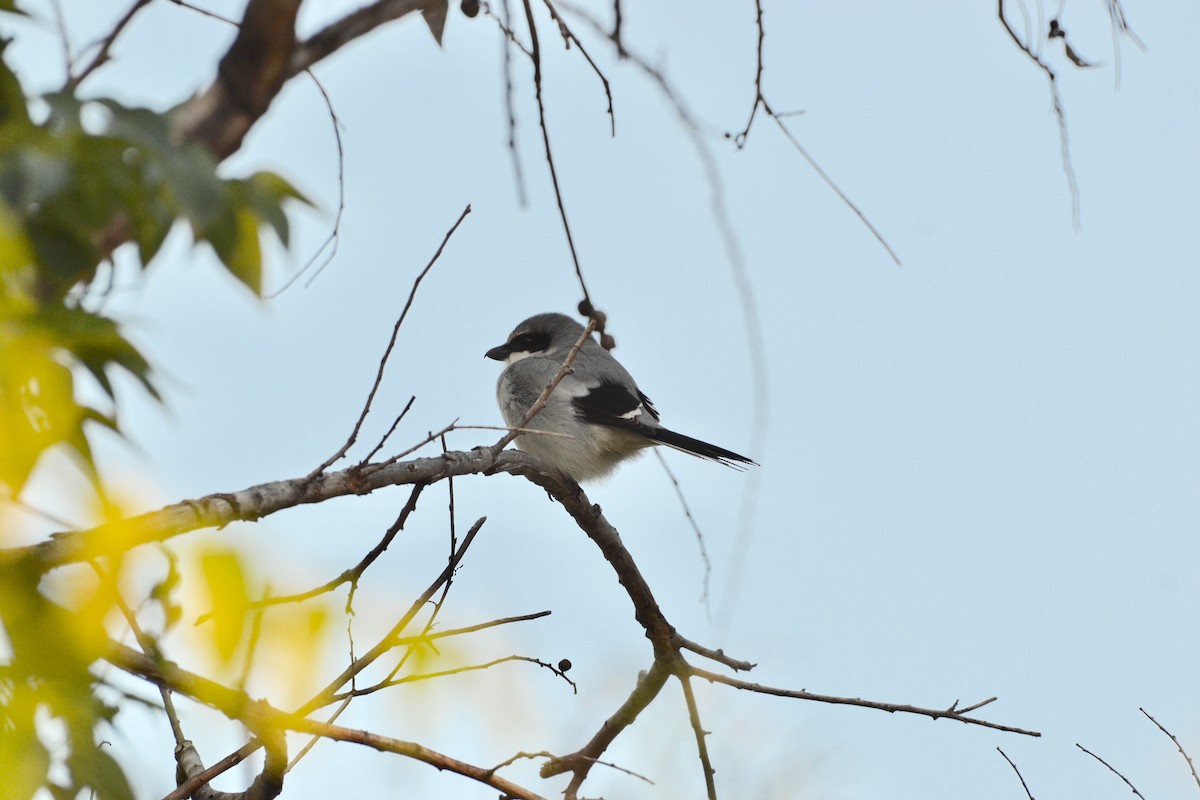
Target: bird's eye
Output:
[(530, 342)]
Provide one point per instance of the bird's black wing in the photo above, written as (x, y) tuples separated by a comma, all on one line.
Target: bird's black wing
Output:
[(613, 404)]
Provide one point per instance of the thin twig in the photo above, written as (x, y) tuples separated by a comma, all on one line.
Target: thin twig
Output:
[(509, 107), (430, 437), (427, 637), (760, 101), (891, 708), (548, 755), (1024, 785), (424, 676), (383, 439), (1119, 25), (351, 575), (333, 238), (718, 656), (148, 646), (824, 176), (60, 21), (312, 741), (535, 55), (204, 11), (260, 714), (530, 431), (1178, 746), (687, 512), (437, 605), (569, 37), (323, 697), (256, 620), (698, 731), (1111, 769), (105, 45), (1059, 114), (388, 351)]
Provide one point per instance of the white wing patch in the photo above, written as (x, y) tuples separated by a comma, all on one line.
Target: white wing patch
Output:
[(635, 413)]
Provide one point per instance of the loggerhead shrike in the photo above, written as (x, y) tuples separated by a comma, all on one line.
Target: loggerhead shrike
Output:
[(598, 403)]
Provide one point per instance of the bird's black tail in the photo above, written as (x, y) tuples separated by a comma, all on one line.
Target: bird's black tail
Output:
[(698, 448)]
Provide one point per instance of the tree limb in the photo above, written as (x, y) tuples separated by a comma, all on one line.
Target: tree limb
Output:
[(265, 719), (249, 77)]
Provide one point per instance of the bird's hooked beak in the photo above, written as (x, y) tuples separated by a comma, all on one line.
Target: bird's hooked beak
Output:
[(500, 353)]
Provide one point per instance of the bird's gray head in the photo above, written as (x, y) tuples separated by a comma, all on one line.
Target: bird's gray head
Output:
[(540, 335)]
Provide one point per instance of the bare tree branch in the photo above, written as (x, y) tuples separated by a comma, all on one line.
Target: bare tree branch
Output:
[(891, 708), (387, 353), (760, 101), (1024, 785), (249, 77), (425, 676), (351, 575), (105, 45), (327, 695), (1059, 114), (1178, 746), (535, 55), (569, 37), (262, 717), (648, 686), (1112, 769), (701, 735)]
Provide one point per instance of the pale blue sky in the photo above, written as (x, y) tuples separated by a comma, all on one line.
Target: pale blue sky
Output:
[(980, 469)]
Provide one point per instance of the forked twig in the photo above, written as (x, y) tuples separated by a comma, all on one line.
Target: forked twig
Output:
[(1059, 113), (341, 451), (104, 47), (891, 708)]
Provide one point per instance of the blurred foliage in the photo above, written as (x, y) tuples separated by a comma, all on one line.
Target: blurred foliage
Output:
[(229, 598), (47, 678), (78, 179), (74, 186)]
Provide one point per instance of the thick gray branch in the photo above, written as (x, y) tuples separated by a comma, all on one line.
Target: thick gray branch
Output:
[(253, 503)]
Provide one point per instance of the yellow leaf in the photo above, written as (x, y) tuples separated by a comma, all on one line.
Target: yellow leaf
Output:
[(225, 582)]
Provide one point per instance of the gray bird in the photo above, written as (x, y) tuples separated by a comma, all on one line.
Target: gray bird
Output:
[(598, 404)]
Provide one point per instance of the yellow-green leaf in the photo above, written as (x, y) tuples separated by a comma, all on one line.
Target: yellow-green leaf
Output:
[(225, 581)]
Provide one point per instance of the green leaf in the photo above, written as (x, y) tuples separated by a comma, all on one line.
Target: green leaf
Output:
[(265, 192), (37, 407), (96, 341), (24, 762), (94, 767), (13, 107), (237, 245)]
